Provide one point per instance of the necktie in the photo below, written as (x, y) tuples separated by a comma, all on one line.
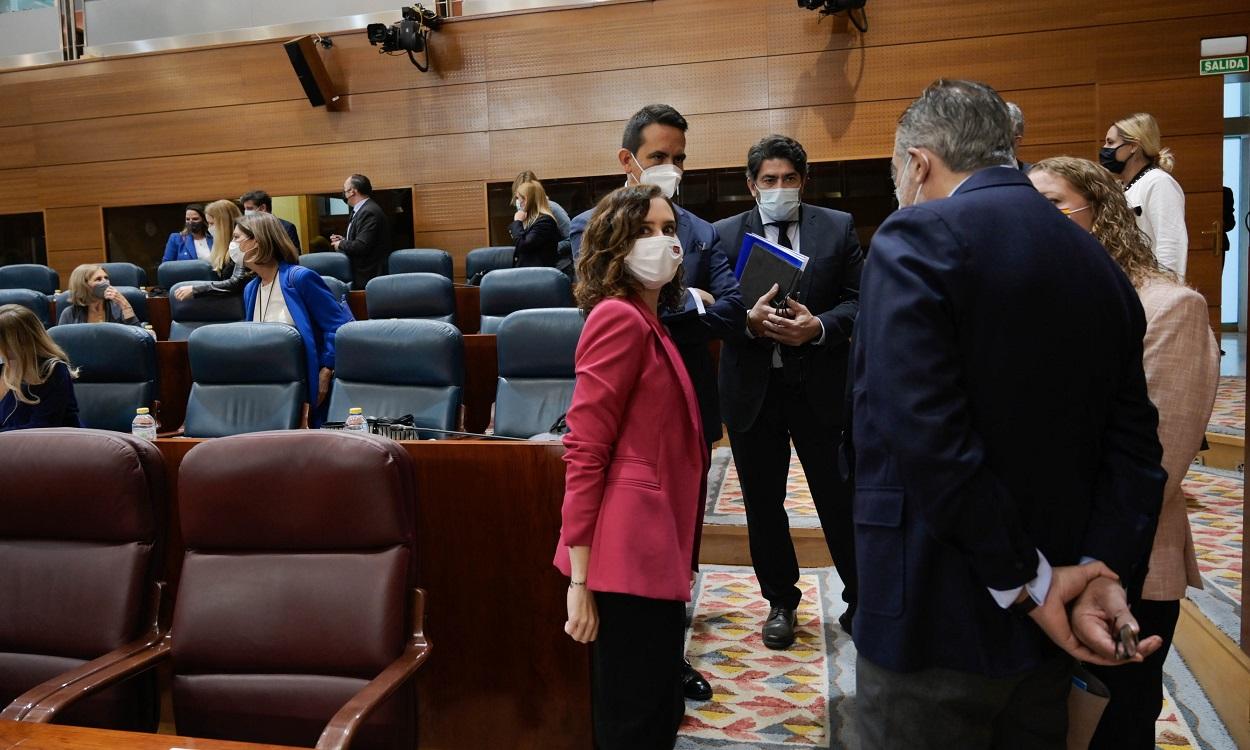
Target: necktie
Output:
[(783, 234), (347, 235)]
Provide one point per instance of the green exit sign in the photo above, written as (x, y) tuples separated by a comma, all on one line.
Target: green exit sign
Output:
[(1218, 66)]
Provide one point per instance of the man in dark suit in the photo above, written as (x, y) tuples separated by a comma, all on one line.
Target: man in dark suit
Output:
[(1007, 459), (653, 150), (259, 200), (783, 378), (367, 242)]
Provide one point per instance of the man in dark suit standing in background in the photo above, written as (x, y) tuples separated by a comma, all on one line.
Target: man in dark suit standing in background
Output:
[(368, 239), (653, 150), (783, 378), (1007, 463), (259, 200)]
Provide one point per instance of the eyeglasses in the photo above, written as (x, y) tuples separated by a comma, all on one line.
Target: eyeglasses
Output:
[(1070, 211)]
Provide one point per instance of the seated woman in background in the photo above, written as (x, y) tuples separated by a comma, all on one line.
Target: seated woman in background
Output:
[(226, 258), (627, 481), (533, 228), (194, 241), (286, 292), (36, 382), (94, 300), (557, 211), (1181, 361)]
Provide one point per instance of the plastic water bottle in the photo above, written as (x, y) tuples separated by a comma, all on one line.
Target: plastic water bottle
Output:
[(144, 425), (356, 420)]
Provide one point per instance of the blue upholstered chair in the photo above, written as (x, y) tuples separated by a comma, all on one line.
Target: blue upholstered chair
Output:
[(338, 287), (510, 289), (125, 274), (420, 260), (486, 259), (329, 263), (536, 349), (29, 276), (390, 368), (172, 272), (137, 298), (246, 377), (426, 296), (116, 371), (36, 302), (197, 312)]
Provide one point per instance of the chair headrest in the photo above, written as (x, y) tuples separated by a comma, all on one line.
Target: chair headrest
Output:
[(108, 352), (210, 309), (399, 352), (71, 483), (246, 353), (511, 289), (36, 302), (410, 295), (420, 260), (29, 276), (328, 263), (488, 259), (324, 490), (338, 287), (171, 272), (125, 274), (539, 343)]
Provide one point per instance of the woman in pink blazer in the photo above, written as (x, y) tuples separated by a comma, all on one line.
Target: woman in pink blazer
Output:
[(635, 476), (1181, 360)]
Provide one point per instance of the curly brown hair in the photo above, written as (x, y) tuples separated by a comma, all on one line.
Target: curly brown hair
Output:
[(1115, 226), (616, 223)]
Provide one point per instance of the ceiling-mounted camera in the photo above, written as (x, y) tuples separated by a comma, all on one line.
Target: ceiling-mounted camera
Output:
[(830, 7), (411, 34)]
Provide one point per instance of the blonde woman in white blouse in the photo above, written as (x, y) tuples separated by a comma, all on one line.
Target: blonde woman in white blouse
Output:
[(1133, 152)]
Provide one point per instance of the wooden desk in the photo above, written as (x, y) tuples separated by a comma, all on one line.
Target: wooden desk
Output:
[(502, 673), (174, 384), (468, 307), (159, 316), (55, 737)]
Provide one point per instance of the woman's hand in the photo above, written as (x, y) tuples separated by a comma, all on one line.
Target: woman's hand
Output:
[(583, 623), (324, 378), (112, 295), (183, 293), (518, 216)]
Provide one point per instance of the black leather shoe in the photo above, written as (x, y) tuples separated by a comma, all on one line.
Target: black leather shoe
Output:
[(695, 687), (779, 628)]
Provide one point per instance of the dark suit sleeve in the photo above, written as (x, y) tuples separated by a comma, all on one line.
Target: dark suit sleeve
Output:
[(539, 239), (576, 227), (1129, 489), (916, 394), (724, 317), (839, 322), (326, 312), (292, 232), (57, 406), (367, 231)]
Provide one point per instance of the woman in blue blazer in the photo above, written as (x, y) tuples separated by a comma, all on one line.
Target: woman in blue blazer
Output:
[(36, 382), (193, 241), (286, 292)]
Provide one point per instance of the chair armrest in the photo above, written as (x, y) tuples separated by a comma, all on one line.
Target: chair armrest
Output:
[(40, 703), (339, 733)]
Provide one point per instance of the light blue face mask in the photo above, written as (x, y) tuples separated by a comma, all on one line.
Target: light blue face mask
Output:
[(898, 189)]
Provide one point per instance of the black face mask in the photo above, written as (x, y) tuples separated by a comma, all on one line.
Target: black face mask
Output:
[(195, 227), (1106, 157)]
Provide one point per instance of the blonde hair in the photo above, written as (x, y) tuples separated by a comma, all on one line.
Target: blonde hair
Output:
[(30, 354), (523, 177), (223, 214), (1115, 225), (273, 243), (536, 203), (80, 284), (1142, 128)]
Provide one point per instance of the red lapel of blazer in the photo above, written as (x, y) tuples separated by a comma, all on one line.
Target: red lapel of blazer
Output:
[(675, 362)]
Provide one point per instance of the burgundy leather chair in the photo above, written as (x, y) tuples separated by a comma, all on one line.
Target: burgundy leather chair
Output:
[(296, 614), (81, 516)]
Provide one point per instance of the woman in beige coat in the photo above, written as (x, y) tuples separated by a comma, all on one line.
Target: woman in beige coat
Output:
[(1181, 360)]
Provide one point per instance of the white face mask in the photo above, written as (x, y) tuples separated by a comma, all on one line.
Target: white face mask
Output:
[(236, 252), (779, 204), (654, 260), (898, 191), (664, 176), (249, 212)]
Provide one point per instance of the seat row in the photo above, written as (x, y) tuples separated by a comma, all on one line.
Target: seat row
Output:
[(296, 619), (249, 377)]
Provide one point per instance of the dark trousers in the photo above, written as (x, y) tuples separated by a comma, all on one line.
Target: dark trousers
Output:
[(635, 679), (1137, 689), (762, 455), (942, 708)]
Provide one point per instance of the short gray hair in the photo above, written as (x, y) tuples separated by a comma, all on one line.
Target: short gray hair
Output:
[(964, 123), (1017, 119)]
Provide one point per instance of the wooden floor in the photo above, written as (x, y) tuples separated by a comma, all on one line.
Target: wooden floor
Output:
[(1221, 668)]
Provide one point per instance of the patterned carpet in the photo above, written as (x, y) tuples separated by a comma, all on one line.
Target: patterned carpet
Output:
[(1214, 499), (1229, 415), (804, 696), (725, 505)]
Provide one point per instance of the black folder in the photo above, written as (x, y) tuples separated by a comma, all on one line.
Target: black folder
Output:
[(762, 263)]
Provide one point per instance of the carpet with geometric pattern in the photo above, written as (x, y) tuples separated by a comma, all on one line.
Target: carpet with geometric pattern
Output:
[(1229, 413)]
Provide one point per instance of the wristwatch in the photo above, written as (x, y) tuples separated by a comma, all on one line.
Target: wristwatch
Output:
[(1024, 606)]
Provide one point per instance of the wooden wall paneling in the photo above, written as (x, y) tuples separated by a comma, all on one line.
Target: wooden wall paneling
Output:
[(1163, 49), (565, 151), (1061, 114), (173, 133), (17, 146), (19, 191), (1152, 10), (625, 36), (458, 52), (448, 206), (1199, 161), (140, 181), (1057, 58), (1204, 213), (457, 242), (1183, 106), (695, 88), (74, 228), (65, 261)]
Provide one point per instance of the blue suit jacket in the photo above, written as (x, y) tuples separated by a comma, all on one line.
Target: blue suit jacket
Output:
[(317, 315), (181, 246), (705, 267), (57, 405), (1000, 408)]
